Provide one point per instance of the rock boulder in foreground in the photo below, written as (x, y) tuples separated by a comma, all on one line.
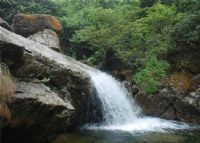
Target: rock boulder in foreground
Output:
[(52, 89)]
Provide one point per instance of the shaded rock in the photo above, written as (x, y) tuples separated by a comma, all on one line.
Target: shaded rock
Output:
[(37, 110), (188, 109), (153, 105), (4, 24), (28, 24), (11, 54), (169, 105), (48, 38)]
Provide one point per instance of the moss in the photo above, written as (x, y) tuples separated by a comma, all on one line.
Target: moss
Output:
[(180, 81)]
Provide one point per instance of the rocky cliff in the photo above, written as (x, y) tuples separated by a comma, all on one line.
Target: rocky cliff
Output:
[(51, 89)]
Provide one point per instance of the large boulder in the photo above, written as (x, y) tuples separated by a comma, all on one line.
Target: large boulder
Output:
[(48, 38), (68, 81), (28, 24), (35, 107), (38, 61)]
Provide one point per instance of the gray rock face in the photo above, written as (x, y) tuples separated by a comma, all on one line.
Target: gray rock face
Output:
[(40, 93), (39, 53), (36, 106), (37, 111), (171, 106), (48, 38), (35, 60)]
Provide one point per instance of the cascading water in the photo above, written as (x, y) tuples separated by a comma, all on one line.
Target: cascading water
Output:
[(117, 105), (119, 110)]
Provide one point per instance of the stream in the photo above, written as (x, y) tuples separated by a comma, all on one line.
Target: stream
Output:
[(99, 136)]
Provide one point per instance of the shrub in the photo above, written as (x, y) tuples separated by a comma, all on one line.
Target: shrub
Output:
[(149, 77)]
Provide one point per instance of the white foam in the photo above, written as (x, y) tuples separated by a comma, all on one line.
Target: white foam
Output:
[(145, 124)]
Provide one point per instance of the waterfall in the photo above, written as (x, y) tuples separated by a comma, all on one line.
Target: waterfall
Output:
[(117, 105), (119, 110)]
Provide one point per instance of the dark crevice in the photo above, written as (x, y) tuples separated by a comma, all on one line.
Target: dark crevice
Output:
[(171, 104), (175, 113)]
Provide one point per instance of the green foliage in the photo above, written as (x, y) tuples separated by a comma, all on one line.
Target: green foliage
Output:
[(139, 36), (140, 32), (188, 30), (144, 38), (8, 8), (149, 77), (86, 23), (103, 32), (155, 29), (150, 3)]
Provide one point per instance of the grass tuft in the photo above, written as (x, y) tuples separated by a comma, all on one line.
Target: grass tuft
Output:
[(7, 90)]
